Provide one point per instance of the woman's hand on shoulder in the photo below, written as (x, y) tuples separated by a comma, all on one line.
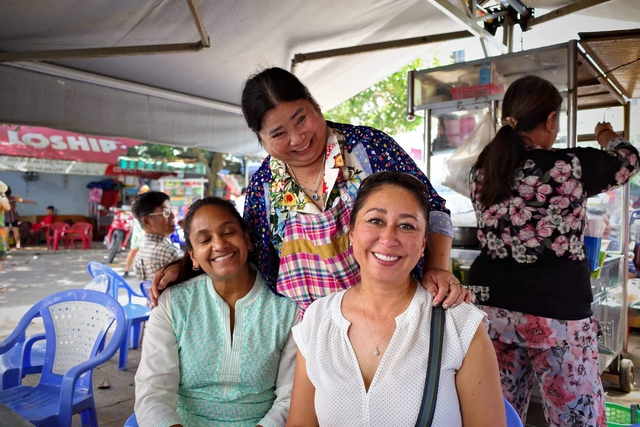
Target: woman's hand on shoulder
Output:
[(161, 280), (445, 288)]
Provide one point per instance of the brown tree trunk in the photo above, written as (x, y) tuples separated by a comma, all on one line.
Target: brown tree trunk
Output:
[(216, 165)]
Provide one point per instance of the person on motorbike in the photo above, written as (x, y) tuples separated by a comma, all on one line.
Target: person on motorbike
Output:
[(156, 216), (137, 235)]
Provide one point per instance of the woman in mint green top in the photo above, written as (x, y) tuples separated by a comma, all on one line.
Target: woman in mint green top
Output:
[(220, 352)]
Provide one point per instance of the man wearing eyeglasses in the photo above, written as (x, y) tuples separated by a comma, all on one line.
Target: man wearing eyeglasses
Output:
[(156, 217)]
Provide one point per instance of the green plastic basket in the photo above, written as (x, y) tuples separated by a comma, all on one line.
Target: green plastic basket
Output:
[(618, 415)]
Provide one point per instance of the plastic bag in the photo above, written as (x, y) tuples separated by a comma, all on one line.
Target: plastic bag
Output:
[(457, 168)]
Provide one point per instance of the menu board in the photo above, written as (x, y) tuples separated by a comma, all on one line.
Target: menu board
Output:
[(183, 192)]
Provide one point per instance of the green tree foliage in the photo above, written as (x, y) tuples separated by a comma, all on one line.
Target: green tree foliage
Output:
[(383, 105), (214, 162), (154, 151)]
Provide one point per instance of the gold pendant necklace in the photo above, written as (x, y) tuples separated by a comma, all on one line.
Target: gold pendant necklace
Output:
[(314, 196), (376, 352)]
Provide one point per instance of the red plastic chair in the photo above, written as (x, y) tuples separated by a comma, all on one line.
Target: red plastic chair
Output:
[(55, 234), (80, 231)]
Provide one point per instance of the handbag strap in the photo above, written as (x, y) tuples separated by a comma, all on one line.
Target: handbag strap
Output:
[(430, 396)]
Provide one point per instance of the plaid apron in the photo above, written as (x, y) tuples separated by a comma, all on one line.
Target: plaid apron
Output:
[(316, 258)]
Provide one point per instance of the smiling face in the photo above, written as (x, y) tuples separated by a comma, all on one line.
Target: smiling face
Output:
[(157, 223), (219, 246), (389, 235), (294, 132)]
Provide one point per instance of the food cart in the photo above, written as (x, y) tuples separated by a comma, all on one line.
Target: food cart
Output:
[(183, 192), (454, 98)]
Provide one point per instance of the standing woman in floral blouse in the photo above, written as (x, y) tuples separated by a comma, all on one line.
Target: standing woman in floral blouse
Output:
[(299, 202), (532, 276)]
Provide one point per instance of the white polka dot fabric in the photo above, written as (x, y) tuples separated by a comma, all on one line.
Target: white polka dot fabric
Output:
[(77, 325), (395, 394)]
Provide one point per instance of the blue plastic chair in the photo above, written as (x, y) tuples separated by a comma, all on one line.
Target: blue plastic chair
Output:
[(76, 322), (145, 286), (131, 421), (135, 313), (24, 358), (27, 356), (513, 419)]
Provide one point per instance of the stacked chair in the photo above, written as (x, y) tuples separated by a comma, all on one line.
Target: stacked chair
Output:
[(134, 304)]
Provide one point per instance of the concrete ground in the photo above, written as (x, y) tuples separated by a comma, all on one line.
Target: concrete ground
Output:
[(34, 272)]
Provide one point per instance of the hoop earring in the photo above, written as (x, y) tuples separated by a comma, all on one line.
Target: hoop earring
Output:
[(194, 268)]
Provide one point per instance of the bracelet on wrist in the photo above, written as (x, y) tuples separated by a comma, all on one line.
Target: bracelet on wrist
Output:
[(600, 133)]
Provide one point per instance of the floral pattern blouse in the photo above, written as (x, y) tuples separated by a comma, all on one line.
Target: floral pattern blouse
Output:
[(353, 153), (534, 240)]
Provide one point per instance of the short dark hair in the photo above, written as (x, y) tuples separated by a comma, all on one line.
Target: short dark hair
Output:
[(404, 180), (51, 207), (146, 203), (186, 264), (8, 192), (263, 91)]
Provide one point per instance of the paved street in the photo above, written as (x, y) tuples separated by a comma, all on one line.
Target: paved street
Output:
[(33, 273)]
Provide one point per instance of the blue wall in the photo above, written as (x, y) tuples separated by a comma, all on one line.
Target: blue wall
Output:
[(68, 193)]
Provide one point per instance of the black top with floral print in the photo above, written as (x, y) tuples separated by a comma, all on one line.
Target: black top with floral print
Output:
[(532, 258)]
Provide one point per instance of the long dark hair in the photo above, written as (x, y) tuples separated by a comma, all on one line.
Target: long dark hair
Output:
[(264, 90), (186, 264), (529, 101)]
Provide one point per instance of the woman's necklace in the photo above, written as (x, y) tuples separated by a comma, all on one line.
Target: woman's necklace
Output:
[(376, 352), (314, 191)]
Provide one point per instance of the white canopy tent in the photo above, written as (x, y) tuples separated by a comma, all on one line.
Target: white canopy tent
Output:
[(192, 98)]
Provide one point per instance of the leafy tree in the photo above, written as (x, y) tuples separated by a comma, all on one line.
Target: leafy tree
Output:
[(213, 162), (383, 105), (153, 151)]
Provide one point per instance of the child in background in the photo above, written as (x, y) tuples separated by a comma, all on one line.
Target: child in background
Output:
[(154, 213), (4, 206), (48, 220)]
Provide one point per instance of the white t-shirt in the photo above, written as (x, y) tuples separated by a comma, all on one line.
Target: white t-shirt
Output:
[(395, 393)]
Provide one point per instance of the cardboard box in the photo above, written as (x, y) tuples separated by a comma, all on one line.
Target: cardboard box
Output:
[(487, 73)]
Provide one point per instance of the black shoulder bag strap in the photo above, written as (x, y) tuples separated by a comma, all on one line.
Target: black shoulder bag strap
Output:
[(430, 396)]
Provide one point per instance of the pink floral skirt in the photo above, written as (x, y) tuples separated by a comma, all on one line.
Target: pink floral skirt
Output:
[(561, 355)]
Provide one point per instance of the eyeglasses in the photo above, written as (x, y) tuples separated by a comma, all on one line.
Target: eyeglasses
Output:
[(165, 213), (394, 178)]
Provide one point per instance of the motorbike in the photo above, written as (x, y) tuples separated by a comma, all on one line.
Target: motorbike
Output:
[(119, 232)]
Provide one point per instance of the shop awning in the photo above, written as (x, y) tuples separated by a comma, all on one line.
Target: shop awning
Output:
[(192, 98), (71, 167), (618, 51), (52, 144), (170, 167)]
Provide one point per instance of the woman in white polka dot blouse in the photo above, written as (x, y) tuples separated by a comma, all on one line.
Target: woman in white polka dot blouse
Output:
[(363, 353)]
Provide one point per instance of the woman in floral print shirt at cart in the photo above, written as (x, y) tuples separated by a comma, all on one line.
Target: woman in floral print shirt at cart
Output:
[(532, 276), (299, 202)]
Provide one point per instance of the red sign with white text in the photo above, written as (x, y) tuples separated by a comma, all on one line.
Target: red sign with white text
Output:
[(115, 170), (48, 143)]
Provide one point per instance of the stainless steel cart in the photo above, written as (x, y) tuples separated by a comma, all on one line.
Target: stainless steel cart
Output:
[(447, 96)]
